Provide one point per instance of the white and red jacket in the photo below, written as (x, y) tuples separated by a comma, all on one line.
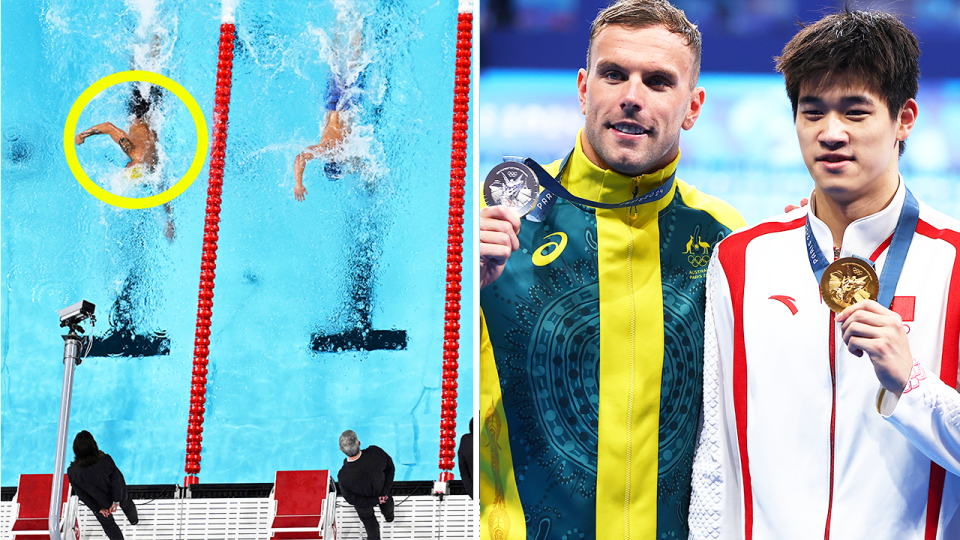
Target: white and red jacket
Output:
[(795, 443)]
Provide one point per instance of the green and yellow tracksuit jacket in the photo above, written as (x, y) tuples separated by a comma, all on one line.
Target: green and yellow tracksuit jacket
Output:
[(591, 362)]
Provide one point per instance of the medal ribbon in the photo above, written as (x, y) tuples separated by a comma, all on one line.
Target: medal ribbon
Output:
[(552, 189), (899, 246)]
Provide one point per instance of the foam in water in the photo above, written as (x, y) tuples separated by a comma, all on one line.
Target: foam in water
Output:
[(228, 8)]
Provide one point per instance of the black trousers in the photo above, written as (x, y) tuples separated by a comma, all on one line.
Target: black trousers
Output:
[(369, 520), (110, 527)]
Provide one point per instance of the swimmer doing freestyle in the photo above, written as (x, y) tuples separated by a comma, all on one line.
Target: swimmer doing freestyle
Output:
[(139, 142), (341, 101)]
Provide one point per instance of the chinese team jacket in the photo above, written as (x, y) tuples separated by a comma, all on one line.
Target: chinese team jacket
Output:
[(798, 441)]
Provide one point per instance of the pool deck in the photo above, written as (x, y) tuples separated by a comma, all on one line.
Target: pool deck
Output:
[(249, 517)]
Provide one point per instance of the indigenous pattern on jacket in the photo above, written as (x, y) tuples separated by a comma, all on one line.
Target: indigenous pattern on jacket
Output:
[(599, 310)]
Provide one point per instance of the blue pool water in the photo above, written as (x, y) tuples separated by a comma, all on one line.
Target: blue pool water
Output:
[(366, 252)]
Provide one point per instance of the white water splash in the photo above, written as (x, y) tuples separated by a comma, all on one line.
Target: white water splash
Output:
[(349, 57), (227, 11)]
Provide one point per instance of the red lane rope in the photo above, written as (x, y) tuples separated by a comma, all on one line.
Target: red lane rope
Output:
[(451, 326), (208, 264)]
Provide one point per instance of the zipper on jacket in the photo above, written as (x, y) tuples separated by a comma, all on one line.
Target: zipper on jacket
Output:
[(833, 407), (833, 418)]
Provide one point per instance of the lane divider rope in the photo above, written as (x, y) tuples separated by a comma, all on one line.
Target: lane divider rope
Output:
[(208, 264), (458, 162)]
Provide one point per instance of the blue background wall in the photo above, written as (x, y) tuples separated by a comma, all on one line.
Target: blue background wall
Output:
[(743, 147)]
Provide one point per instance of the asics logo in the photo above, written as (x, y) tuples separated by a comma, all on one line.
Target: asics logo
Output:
[(542, 259)]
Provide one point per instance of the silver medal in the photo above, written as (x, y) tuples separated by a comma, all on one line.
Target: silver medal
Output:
[(511, 184)]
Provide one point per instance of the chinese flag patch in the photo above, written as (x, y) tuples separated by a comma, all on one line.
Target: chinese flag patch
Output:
[(904, 306)]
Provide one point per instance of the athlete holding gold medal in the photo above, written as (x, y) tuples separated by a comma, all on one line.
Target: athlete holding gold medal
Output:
[(805, 436)]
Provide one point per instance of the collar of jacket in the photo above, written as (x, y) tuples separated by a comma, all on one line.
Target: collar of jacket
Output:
[(863, 236), (584, 179)]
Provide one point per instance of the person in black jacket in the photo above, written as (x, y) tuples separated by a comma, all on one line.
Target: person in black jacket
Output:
[(99, 484), (465, 460), (365, 481)]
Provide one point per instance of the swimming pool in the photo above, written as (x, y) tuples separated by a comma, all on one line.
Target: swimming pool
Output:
[(367, 251)]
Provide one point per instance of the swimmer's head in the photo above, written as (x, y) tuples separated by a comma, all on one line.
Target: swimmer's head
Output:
[(138, 106), (333, 170)]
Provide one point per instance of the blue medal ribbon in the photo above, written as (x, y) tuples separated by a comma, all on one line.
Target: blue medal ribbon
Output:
[(553, 189), (899, 246)]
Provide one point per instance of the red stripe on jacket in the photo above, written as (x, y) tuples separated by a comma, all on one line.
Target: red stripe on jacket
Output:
[(732, 254), (948, 363)]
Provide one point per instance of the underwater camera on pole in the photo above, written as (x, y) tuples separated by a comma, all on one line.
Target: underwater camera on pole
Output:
[(75, 314), (71, 317)]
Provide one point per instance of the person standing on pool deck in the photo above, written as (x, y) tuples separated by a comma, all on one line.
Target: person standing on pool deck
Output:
[(365, 481), (592, 336), (99, 484), (824, 416)]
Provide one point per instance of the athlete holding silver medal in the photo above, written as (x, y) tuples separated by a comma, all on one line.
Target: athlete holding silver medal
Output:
[(591, 332)]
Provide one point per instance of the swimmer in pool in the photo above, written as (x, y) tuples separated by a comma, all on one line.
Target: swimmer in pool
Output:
[(139, 142), (341, 100)]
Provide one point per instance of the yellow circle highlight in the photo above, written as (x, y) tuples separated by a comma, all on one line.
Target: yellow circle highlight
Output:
[(70, 149)]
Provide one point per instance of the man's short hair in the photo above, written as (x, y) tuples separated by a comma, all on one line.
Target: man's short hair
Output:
[(349, 444), (871, 45), (645, 14)]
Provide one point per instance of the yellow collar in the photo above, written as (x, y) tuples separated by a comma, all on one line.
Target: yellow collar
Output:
[(584, 179)]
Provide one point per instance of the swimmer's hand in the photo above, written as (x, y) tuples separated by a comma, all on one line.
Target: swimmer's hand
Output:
[(82, 136), (170, 231), (299, 192), (790, 207), (871, 328), (499, 227)]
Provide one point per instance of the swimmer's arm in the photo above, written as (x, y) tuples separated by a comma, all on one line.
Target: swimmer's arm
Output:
[(118, 135), (298, 166)]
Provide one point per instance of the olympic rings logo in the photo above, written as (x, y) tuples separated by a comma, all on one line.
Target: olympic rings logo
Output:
[(698, 261)]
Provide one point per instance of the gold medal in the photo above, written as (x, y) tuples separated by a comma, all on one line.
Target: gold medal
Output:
[(848, 281)]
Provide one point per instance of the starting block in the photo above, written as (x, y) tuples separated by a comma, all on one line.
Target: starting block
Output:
[(303, 506), (32, 506)]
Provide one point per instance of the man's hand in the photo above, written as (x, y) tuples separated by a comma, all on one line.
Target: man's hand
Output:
[(790, 207), (82, 136), (299, 192), (499, 227), (383, 499), (871, 328), (106, 512)]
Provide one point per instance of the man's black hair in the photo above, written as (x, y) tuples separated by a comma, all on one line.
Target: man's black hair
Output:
[(139, 106), (874, 46)]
